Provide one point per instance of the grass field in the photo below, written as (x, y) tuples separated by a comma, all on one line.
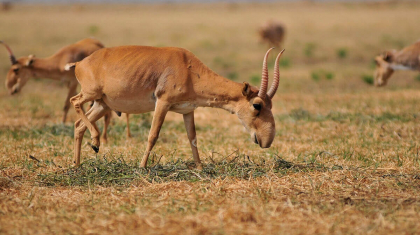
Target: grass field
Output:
[(345, 159)]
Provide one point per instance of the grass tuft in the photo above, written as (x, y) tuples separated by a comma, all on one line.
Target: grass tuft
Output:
[(309, 49), (117, 172), (315, 76), (255, 79), (319, 74), (93, 29), (232, 76), (285, 62), (93, 172), (368, 79), (342, 53)]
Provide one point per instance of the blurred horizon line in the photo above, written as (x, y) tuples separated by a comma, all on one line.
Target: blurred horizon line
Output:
[(177, 1)]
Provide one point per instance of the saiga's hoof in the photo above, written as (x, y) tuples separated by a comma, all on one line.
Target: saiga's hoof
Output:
[(96, 149)]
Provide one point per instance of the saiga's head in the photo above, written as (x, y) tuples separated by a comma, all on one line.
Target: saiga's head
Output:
[(255, 110), (19, 73), (383, 69)]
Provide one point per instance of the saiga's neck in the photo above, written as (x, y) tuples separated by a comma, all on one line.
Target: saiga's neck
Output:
[(212, 90), (46, 68)]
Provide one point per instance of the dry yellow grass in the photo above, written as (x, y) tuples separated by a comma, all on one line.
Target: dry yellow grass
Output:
[(354, 148)]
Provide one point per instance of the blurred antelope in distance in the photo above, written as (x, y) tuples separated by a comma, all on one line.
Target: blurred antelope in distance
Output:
[(272, 33), (406, 59), (140, 79), (52, 67), (6, 6)]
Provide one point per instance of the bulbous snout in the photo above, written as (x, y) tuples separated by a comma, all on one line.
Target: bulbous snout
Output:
[(378, 80), (12, 85), (14, 89), (379, 83), (381, 76), (264, 141)]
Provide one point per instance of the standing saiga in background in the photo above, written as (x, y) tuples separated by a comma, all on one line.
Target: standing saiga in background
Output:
[(139, 79), (52, 67), (406, 59), (272, 33)]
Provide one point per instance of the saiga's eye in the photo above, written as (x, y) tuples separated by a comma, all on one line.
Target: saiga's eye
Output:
[(257, 106)]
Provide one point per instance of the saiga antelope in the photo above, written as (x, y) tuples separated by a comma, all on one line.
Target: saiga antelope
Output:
[(139, 79), (52, 67), (272, 32), (406, 59)]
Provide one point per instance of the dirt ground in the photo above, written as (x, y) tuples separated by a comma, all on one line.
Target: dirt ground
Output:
[(345, 159)]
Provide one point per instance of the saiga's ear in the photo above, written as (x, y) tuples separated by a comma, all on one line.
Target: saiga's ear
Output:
[(246, 90), (15, 68), (387, 55), (30, 60)]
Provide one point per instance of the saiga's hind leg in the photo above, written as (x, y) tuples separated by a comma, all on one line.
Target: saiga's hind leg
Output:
[(72, 92), (78, 102), (98, 110)]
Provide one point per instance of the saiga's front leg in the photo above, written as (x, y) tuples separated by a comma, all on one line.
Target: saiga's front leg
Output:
[(190, 126), (72, 92), (161, 110)]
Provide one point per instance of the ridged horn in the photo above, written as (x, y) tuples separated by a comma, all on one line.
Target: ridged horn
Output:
[(264, 77), (12, 57), (276, 78)]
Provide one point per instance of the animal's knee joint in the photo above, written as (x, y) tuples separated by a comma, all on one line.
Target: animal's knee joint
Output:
[(194, 142)]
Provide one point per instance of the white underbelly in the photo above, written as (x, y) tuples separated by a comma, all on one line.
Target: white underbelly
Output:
[(399, 67)]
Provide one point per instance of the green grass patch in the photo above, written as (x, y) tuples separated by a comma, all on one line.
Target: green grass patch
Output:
[(285, 62), (222, 63), (329, 75), (368, 79), (93, 29), (309, 49), (232, 76), (255, 79), (109, 171), (342, 53), (304, 115), (36, 132), (317, 75)]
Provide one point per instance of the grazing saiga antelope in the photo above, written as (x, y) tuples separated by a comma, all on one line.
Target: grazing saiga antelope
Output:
[(406, 59), (139, 79), (6, 6), (52, 67), (272, 32)]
